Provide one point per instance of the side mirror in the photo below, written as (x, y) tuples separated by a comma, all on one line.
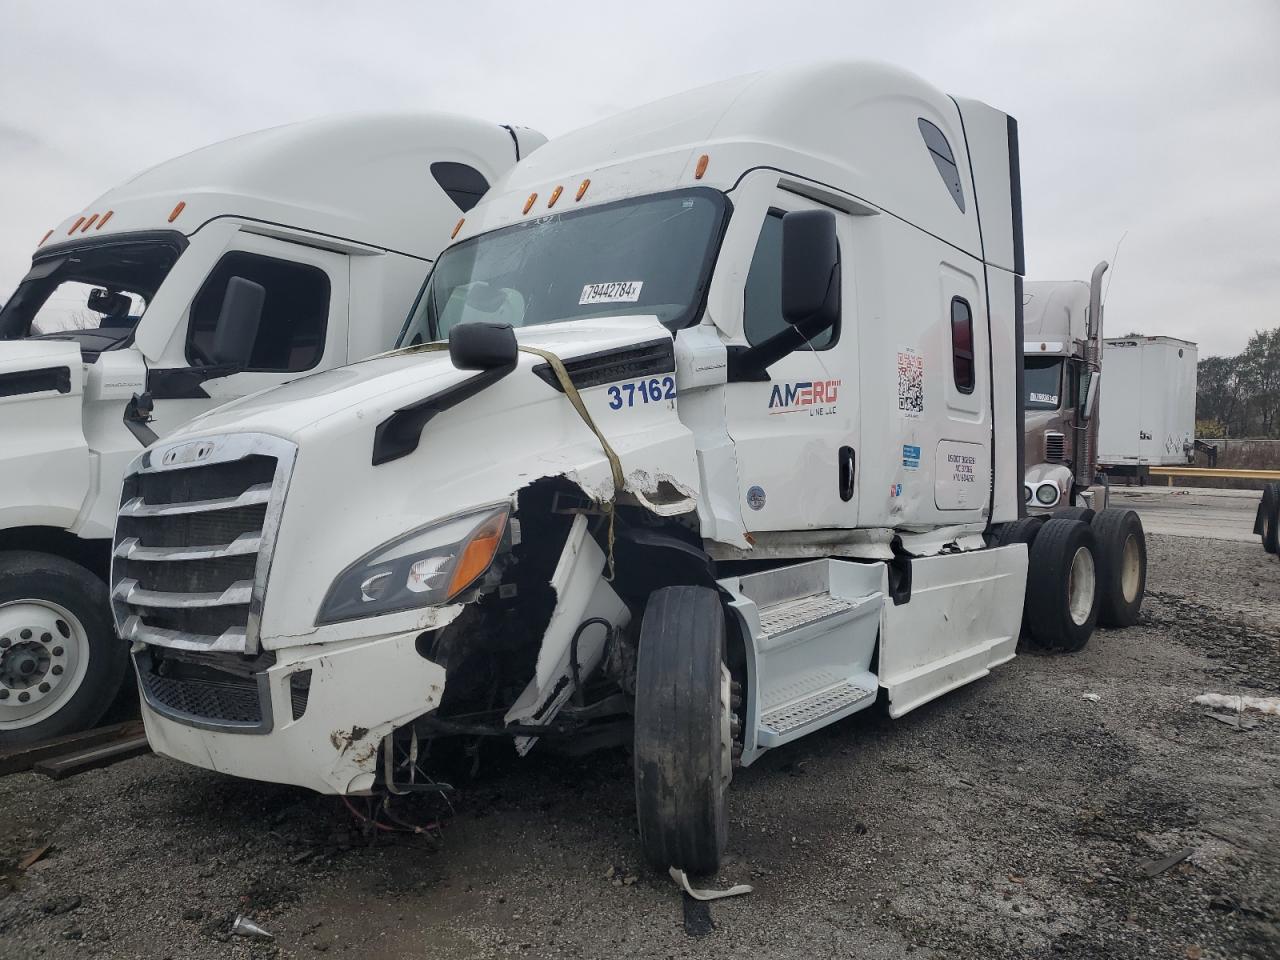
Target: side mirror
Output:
[(1090, 395), (238, 322), (483, 346), (810, 270)]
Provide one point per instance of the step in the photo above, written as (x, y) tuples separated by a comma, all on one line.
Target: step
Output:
[(789, 720), (801, 612)]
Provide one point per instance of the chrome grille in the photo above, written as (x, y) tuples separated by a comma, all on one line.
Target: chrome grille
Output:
[(1055, 447), (194, 536)]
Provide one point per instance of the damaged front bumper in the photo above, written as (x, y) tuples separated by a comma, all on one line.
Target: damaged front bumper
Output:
[(315, 718)]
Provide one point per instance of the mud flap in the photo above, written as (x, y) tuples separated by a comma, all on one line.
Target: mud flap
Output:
[(581, 593)]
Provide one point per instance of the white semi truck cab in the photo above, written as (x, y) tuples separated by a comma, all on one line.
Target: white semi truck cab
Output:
[(230, 269), (702, 436)]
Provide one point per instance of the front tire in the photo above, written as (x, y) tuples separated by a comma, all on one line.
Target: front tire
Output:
[(61, 664), (1122, 566), (683, 750), (1062, 586), (1269, 518)]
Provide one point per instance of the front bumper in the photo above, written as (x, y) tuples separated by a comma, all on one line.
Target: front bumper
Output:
[(360, 691)]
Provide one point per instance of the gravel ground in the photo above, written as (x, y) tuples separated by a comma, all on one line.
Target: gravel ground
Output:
[(1008, 819)]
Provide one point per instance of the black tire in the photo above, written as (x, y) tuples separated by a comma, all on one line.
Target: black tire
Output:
[(1121, 556), (1083, 514), (1269, 518), (1264, 508), (679, 752), (1018, 531), (1053, 621), (89, 633)]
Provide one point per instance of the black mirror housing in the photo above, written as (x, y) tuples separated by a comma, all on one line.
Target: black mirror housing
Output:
[(810, 270), (238, 322), (483, 346)]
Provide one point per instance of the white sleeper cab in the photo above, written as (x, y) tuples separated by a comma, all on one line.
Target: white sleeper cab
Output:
[(217, 274), (702, 435)]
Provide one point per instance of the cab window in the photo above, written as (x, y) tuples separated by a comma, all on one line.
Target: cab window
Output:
[(295, 312), (762, 302)]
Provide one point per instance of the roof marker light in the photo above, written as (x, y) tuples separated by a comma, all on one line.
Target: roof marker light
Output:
[(582, 188), (75, 226), (173, 215), (457, 226), (528, 204), (105, 217), (89, 223), (555, 195), (44, 238), (701, 168)]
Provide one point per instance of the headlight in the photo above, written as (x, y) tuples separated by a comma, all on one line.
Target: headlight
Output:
[(1027, 492), (1047, 494), (429, 566)]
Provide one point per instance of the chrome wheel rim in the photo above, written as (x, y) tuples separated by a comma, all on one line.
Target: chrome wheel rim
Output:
[(1130, 569), (1081, 585), (44, 656)]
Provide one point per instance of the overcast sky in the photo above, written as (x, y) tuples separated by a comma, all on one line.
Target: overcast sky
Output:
[(1155, 121)]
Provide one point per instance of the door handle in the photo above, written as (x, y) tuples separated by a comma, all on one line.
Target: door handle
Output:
[(848, 460)]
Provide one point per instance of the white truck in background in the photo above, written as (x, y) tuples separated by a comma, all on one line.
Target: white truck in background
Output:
[(1149, 406), (704, 437), (230, 269)]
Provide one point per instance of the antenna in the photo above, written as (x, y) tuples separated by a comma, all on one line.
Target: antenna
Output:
[(1114, 257)]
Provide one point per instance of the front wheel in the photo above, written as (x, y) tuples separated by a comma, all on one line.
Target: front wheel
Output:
[(683, 722), (1268, 524), (61, 664)]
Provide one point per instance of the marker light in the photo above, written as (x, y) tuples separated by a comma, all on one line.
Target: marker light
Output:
[(44, 238), (582, 188), (528, 204), (555, 195), (457, 226), (1047, 494), (173, 214), (75, 226), (701, 168), (105, 217), (89, 223)]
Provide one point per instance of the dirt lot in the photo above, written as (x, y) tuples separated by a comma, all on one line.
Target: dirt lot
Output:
[(1008, 819)]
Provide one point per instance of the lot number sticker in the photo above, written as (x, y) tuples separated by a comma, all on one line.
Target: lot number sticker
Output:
[(622, 291)]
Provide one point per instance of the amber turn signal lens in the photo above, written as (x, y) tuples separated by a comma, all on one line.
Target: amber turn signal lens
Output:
[(701, 168), (44, 238), (105, 217), (555, 195), (582, 188), (173, 215), (528, 204), (478, 553), (75, 226), (89, 223), (456, 227)]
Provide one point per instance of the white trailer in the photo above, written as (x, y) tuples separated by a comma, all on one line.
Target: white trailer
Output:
[(1149, 403), (231, 269), (722, 447)]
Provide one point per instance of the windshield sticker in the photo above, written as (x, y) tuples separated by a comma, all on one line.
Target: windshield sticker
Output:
[(622, 291), (816, 397), (653, 390), (1045, 398), (910, 383), (910, 457)]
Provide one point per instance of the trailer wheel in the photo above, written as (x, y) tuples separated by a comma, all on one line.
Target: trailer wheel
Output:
[(1083, 514), (1062, 586), (1122, 566), (683, 739), (1268, 524), (61, 664)]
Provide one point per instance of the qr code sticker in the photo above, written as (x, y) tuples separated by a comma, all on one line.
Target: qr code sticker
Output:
[(910, 383)]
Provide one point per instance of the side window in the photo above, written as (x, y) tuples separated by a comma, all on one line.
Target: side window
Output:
[(962, 344), (294, 314), (464, 185), (943, 159), (762, 302)]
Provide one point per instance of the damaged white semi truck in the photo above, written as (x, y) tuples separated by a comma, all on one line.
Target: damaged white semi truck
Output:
[(705, 434), (230, 269)]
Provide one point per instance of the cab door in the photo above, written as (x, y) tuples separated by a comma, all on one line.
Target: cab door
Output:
[(796, 433), (303, 327)]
